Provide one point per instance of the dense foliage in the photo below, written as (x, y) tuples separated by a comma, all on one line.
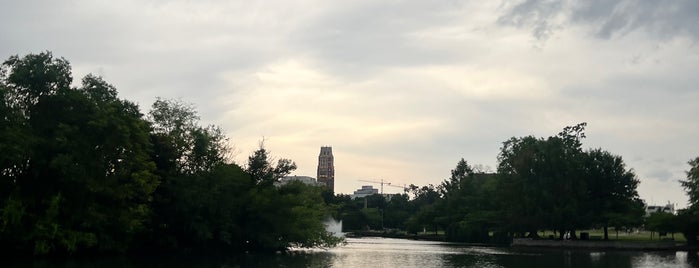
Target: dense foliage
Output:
[(541, 184), (688, 219), (85, 171)]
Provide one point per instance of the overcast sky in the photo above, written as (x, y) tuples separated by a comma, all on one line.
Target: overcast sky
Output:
[(400, 89)]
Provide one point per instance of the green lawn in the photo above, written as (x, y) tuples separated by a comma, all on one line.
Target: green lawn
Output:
[(623, 236)]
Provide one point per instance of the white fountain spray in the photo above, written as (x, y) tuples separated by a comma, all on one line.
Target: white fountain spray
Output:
[(334, 227)]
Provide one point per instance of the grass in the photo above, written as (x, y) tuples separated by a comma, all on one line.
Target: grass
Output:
[(640, 236)]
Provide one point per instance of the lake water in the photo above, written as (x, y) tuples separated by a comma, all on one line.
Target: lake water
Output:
[(385, 252)]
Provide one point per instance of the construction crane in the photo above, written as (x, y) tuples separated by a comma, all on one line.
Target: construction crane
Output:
[(404, 187), (382, 182)]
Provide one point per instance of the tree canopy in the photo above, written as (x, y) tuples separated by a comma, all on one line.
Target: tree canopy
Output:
[(541, 184), (85, 171)]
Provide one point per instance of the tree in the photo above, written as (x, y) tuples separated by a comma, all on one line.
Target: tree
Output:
[(34, 76), (280, 217), (424, 199), (83, 171), (689, 218), (464, 207), (203, 198), (611, 189), (662, 222), (691, 184), (540, 182), (262, 170), (397, 211), (85, 180), (15, 142), (178, 136)]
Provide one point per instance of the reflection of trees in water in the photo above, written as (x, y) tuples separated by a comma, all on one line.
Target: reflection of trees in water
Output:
[(287, 259), (546, 258), (385, 254)]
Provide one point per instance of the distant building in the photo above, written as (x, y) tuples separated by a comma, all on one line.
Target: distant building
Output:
[(366, 190), (305, 179), (669, 208), (326, 168)]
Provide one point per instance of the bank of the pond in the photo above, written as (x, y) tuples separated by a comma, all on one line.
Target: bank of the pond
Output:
[(422, 237), (599, 244), (543, 243)]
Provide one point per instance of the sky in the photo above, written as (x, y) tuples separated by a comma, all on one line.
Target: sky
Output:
[(402, 90)]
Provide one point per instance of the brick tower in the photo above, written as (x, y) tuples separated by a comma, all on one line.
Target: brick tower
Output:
[(326, 168)]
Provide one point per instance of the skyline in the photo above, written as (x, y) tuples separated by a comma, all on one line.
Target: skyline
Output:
[(401, 90)]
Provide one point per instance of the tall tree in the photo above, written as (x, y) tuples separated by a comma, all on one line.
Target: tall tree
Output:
[(87, 180), (540, 181), (178, 136), (263, 171), (611, 189), (691, 184), (464, 207), (689, 218), (34, 76)]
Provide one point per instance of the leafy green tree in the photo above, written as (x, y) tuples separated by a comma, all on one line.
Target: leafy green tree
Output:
[(611, 190), (424, 217), (632, 216), (34, 76), (84, 171), (526, 197), (86, 179), (691, 184), (397, 211), (189, 147), (540, 182), (466, 207), (289, 215), (262, 170), (663, 223), (15, 142), (202, 201), (689, 218)]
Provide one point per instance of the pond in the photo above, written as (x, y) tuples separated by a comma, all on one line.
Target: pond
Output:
[(386, 252)]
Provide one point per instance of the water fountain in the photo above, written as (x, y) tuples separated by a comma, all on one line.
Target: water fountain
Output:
[(333, 226)]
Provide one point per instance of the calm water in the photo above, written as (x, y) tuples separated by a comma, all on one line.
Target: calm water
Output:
[(383, 252)]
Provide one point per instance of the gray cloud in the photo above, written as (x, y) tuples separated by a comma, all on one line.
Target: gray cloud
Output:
[(661, 174), (605, 19), (400, 89), (358, 37)]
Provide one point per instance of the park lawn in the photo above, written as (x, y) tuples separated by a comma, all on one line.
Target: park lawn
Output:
[(641, 236)]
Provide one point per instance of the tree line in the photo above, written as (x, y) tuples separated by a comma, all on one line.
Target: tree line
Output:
[(541, 184), (85, 172)]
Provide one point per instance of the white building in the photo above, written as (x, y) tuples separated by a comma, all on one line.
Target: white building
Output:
[(669, 208), (305, 179), (366, 190)]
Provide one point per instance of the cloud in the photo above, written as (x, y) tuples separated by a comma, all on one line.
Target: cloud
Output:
[(662, 20), (401, 89), (661, 174)]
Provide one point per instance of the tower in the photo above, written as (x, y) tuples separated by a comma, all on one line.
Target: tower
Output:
[(326, 167)]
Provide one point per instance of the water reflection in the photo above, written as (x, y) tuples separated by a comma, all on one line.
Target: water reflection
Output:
[(664, 259), (380, 252)]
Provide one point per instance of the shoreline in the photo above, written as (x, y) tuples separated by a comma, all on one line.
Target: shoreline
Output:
[(600, 244), (545, 243), (426, 237)]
